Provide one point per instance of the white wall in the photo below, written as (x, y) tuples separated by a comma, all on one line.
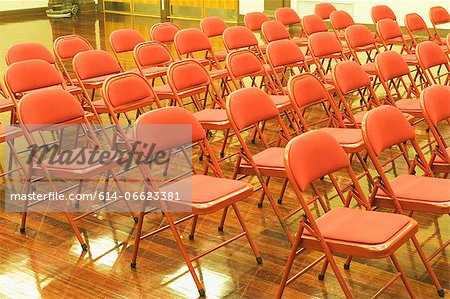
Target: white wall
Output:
[(246, 6), (21, 4)]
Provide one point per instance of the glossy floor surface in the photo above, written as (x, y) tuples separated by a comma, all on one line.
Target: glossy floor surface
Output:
[(48, 262)]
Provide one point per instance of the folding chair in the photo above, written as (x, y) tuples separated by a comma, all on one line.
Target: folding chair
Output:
[(312, 24), (343, 230), (406, 191), (340, 20), (435, 104), (269, 161), (307, 92), (393, 72), (189, 79), (209, 193), (361, 40), (381, 12), (254, 21), (124, 41), (50, 109), (432, 60), (27, 51), (275, 30), (391, 34), (438, 16), (324, 10), (164, 32), (414, 23), (214, 27), (289, 17)]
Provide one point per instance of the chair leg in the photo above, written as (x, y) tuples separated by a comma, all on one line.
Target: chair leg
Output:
[(26, 190), (427, 265), (403, 276), (247, 234), (224, 145), (74, 227), (323, 270), (222, 221), (119, 186), (263, 194), (347, 262), (283, 189), (137, 240), (193, 226), (337, 273)]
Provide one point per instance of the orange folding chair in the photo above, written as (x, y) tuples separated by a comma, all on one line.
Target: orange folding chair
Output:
[(52, 109), (406, 191), (123, 41), (324, 10), (27, 51), (289, 17), (189, 79), (381, 12), (312, 24), (274, 30), (210, 194), (396, 79), (435, 104), (240, 37), (340, 20), (164, 32), (415, 24), (438, 16), (342, 230), (391, 34), (268, 162), (254, 21), (432, 61), (214, 27)]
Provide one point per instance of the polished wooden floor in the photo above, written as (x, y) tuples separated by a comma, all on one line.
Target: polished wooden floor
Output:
[(48, 262)]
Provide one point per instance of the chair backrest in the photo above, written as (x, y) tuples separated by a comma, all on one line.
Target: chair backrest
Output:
[(380, 12), (313, 24), (439, 15), (429, 55), (67, 46), (213, 26), (127, 90), (46, 107), (435, 103), (306, 90), (388, 29), (124, 40), (243, 63), (287, 16), (384, 127), (238, 37), (311, 156), (28, 75), (284, 53), (390, 65), (241, 107), (274, 30), (359, 36), (349, 76), (95, 63), (152, 53), (27, 51), (164, 32), (324, 10), (414, 22), (323, 44), (191, 40), (146, 134), (254, 20), (187, 74), (340, 20)]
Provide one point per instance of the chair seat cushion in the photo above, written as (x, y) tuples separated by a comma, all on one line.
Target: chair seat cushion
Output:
[(412, 105), (360, 226), (280, 101), (222, 73), (410, 58), (272, 157), (420, 188), (439, 159), (345, 135), (369, 68), (154, 71), (221, 55), (211, 115), (95, 82), (300, 41)]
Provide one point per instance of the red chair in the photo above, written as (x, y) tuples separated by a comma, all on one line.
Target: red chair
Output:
[(438, 16), (324, 10), (342, 230), (210, 194), (240, 37), (435, 104), (164, 32), (361, 40), (381, 12), (27, 51), (38, 111), (214, 27), (430, 57), (289, 17), (124, 41), (414, 23), (340, 20), (312, 24), (269, 161), (65, 48), (406, 191), (391, 67), (275, 30), (189, 79), (306, 93), (254, 21), (391, 34)]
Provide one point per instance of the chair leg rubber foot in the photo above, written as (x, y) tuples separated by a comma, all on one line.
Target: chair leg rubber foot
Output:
[(253, 141), (346, 266), (259, 260), (84, 246), (259, 205), (191, 237), (133, 265), (136, 219), (280, 201), (321, 277), (200, 158), (202, 292), (441, 293), (22, 230), (222, 154), (220, 228)]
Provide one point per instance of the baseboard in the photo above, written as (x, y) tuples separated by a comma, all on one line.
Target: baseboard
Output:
[(35, 10)]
